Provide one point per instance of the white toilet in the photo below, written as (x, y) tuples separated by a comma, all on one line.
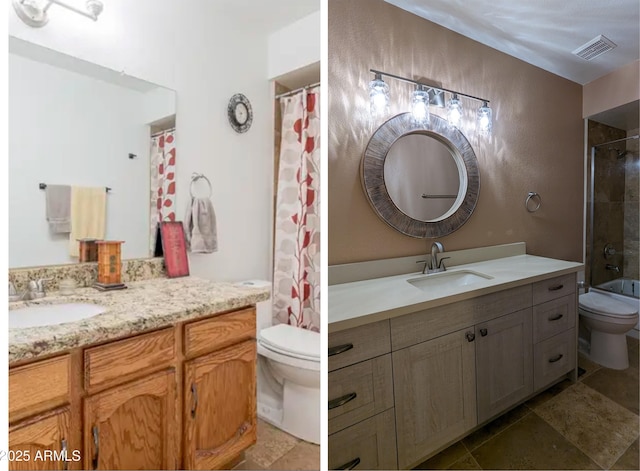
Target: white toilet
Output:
[(607, 320), (288, 374)]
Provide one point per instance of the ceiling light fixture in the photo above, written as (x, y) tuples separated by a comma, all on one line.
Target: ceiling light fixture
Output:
[(34, 12), (425, 95)]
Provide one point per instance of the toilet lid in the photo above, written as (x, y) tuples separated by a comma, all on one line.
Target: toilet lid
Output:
[(292, 341), (605, 305)]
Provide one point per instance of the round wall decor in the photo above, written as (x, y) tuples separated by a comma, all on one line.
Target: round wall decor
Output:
[(240, 113)]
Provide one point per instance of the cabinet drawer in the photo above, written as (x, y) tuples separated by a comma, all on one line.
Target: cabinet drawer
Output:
[(47, 384), (217, 332), (370, 444), (554, 288), (122, 360), (553, 358), (358, 344), (359, 392), (553, 317)]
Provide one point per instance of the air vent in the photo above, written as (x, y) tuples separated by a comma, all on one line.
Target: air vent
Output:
[(594, 48)]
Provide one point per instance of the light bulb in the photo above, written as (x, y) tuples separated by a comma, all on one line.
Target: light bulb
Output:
[(420, 105), (378, 96), (454, 111), (484, 120)]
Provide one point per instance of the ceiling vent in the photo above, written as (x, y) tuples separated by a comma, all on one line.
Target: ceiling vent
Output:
[(594, 48)]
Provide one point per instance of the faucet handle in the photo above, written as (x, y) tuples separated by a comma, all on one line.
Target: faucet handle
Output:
[(440, 265), (426, 262)]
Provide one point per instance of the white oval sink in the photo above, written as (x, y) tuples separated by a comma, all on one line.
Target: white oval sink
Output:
[(52, 314), (454, 279)]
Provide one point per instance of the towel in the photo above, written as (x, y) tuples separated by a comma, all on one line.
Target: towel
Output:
[(88, 215), (58, 204), (200, 228)]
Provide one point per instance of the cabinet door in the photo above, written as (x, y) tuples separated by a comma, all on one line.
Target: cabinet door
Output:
[(504, 362), (435, 394), (42, 442), (132, 426), (219, 406)]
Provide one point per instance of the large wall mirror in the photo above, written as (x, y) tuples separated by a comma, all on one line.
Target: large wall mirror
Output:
[(421, 178), (75, 123)]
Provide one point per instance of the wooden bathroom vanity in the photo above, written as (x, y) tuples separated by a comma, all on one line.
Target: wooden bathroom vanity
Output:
[(407, 381), (178, 391)]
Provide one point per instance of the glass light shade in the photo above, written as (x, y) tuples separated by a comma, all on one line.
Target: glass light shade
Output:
[(454, 111), (420, 105), (378, 97), (484, 120)]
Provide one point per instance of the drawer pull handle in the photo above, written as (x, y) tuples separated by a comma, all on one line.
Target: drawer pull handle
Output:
[(350, 465), (556, 358), (96, 447), (483, 332), (341, 401), (194, 395), (470, 336), (340, 349), (556, 317), (556, 287)]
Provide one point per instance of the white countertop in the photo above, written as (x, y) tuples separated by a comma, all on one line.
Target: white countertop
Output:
[(363, 302)]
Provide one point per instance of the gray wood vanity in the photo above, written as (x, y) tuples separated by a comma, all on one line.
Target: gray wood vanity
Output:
[(405, 387)]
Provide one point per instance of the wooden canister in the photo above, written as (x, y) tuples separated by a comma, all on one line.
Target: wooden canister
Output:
[(109, 262), (88, 250)]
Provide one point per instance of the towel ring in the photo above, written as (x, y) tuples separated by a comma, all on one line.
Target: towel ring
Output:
[(530, 196), (194, 178)]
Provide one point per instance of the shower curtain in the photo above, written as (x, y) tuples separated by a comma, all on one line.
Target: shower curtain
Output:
[(296, 273), (163, 182)]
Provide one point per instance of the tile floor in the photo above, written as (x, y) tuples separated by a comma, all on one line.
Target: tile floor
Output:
[(276, 449), (592, 424)]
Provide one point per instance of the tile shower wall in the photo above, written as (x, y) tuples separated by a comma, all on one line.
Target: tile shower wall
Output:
[(632, 207), (608, 199)]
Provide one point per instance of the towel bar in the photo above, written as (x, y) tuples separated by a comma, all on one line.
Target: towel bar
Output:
[(43, 186)]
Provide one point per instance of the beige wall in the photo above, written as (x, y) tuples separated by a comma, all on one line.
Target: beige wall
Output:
[(615, 89), (537, 142)]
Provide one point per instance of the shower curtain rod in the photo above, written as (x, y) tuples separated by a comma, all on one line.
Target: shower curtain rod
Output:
[(618, 140), (293, 92), (163, 131)]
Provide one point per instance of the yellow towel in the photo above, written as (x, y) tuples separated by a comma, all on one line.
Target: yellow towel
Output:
[(88, 215)]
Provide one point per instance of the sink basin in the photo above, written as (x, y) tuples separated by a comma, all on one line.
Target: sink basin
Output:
[(454, 279), (52, 314)]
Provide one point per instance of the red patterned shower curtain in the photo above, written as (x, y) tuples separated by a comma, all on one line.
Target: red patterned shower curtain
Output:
[(296, 276), (163, 182)]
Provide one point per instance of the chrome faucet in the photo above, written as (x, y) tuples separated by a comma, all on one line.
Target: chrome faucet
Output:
[(434, 265), (615, 268)]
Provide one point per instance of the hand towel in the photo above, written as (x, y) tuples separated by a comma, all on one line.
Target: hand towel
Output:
[(88, 215), (200, 229), (58, 205)]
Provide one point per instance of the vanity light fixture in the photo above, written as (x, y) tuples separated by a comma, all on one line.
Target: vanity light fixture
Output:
[(420, 105), (483, 119), (378, 96), (425, 95), (454, 111), (34, 12)]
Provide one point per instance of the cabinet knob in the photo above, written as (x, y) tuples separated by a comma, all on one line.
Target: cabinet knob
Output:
[(556, 358), (556, 317), (483, 332), (470, 336), (341, 401), (350, 465)]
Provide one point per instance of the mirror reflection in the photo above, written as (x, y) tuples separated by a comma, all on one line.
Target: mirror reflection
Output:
[(422, 177), (76, 124)]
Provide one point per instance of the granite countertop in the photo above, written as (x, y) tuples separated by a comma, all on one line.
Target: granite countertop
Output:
[(363, 302), (145, 305)]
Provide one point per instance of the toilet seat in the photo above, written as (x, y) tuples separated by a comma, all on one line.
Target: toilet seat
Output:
[(291, 342), (602, 305)]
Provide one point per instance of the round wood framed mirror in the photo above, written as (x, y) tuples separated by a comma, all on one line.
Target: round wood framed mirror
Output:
[(421, 179)]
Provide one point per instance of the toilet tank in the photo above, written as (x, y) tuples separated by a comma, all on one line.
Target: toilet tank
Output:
[(264, 317)]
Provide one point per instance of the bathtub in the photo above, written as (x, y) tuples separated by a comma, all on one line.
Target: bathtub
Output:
[(625, 290)]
